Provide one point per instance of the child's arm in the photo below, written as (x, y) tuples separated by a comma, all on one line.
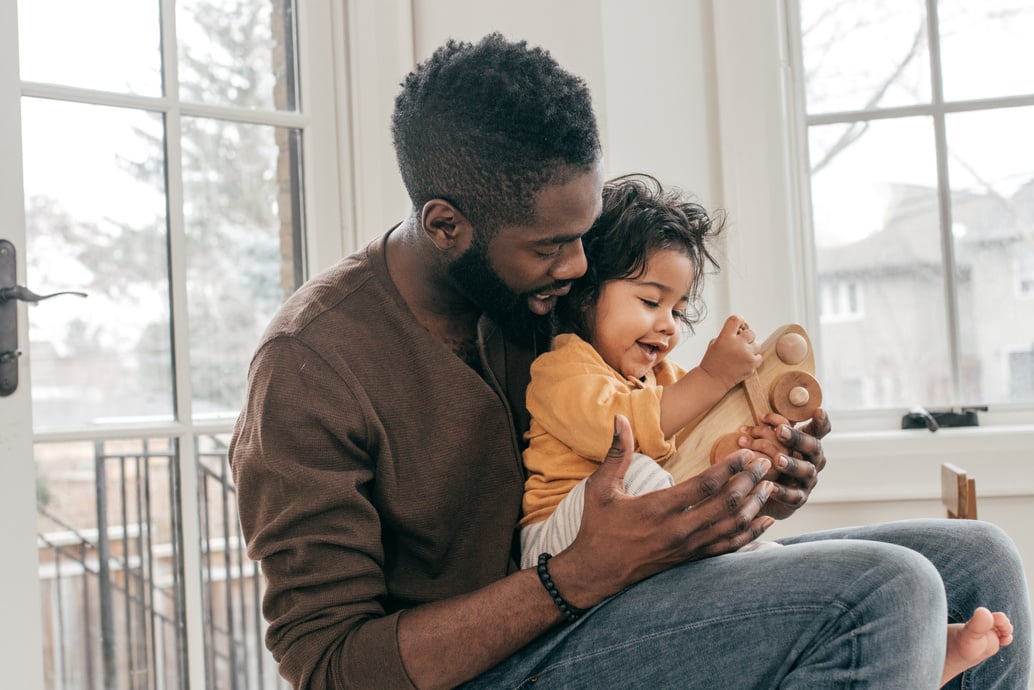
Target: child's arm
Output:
[(730, 358)]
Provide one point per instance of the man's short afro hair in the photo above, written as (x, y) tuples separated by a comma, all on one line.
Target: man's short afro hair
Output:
[(487, 125)]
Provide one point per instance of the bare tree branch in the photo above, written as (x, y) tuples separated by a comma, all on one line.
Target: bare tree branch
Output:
[(855, 130)]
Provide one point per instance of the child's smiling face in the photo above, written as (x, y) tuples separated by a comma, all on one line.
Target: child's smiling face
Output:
[(636, 321)]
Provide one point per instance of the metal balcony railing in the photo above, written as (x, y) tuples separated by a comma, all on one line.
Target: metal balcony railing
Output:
[(234, 627), (112, 587)]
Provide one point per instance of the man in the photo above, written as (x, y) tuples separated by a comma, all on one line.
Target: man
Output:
[(379, 473)]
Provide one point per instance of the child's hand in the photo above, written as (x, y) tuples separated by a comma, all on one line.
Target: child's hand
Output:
[(733, 355)]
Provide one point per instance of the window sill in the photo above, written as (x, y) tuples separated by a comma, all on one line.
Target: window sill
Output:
[(877, 422), (902, 464)]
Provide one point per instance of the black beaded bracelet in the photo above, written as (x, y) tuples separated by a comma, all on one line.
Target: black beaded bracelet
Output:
[(571, 613)]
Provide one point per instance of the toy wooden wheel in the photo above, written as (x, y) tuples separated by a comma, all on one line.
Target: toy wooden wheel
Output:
[(796, 395), (791, 348), (724, 446)]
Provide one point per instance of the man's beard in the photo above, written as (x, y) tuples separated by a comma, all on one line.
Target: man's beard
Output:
[(474, 275)]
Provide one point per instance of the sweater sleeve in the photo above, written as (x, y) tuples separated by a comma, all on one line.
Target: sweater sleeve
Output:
[(574, 396), (304, 479)]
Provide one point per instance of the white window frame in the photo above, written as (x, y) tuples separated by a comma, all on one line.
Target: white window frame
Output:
[(764, 183)]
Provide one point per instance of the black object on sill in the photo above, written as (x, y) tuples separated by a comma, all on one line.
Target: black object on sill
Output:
[(921, 418)]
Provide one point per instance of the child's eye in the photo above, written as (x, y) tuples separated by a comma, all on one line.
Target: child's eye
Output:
[(681, 316), (650, 303)]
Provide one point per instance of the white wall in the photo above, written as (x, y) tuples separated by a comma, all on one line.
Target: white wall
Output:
[(647, 64), (697, 92)]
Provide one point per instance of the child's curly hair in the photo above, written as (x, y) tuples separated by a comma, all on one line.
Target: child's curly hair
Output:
[(639, 218)]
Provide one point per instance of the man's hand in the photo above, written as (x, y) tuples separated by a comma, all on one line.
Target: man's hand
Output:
[(797, 458), (624, 539)]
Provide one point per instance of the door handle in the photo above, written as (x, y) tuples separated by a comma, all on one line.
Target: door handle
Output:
[(24, 294), (10, 294)]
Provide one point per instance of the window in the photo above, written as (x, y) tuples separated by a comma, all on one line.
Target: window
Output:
[(840, 300), (163, 149), (154, 177), (1021, 374), (1023, 269), (921, 169)]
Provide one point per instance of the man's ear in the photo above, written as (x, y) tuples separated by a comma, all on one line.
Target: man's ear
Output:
[(446, 226)]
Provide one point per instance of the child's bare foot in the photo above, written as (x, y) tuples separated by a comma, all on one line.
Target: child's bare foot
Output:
[(977, 639)]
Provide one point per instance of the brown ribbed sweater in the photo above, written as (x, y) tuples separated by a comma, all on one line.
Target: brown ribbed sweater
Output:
[(375, 471)]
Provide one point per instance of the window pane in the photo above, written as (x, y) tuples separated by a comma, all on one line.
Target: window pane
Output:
[(992, 178), (884, 335), (986, 48), (110, 46), (110, 571), (95, 214), (860, 54), (241, 189), (237, 52)]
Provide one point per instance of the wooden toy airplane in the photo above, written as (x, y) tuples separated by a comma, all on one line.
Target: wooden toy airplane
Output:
[(784, 383)]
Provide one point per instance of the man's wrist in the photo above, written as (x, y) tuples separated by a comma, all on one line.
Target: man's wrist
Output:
[(565, 571), (569, 611)]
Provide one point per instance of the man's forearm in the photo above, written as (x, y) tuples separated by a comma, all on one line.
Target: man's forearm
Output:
[(451, 641)]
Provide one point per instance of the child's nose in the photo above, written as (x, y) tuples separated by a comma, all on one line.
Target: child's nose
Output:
[(666, 324)]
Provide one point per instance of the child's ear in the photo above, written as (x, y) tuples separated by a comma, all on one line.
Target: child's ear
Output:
[(589, 297), (586, 313)]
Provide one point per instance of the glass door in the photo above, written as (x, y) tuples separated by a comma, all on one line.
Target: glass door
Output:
[(163, 155)]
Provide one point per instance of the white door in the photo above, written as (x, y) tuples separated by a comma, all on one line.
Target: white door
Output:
[(21, 656), (160, 157)]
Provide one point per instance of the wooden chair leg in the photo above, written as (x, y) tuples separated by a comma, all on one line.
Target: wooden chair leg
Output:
[(958, 492)]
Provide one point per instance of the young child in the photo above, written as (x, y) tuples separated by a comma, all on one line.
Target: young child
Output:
[(646, 254)]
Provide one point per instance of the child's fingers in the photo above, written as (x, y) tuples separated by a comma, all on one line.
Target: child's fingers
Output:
[(733, 326)]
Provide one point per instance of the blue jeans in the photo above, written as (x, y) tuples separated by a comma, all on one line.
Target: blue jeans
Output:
[(861, 607)]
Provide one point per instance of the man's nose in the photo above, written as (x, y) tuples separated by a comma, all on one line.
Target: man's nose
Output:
[(571, 264)]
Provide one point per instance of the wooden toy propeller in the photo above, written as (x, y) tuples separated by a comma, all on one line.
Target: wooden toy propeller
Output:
[(784, 384)]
